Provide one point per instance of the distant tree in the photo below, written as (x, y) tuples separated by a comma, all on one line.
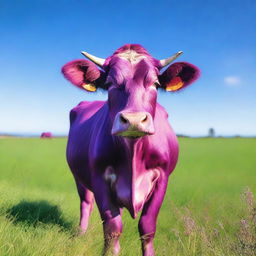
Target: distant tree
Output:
[(211, 132)]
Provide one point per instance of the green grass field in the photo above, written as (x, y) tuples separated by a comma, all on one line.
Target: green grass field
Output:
[(208, 208)]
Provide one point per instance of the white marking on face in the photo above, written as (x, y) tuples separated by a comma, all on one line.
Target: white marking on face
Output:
[(131, 56)]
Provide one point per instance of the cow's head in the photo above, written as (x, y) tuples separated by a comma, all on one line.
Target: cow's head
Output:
[(132, 78)]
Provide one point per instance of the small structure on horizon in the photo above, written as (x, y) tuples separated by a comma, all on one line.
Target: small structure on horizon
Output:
[(211, 133), (46, 135)]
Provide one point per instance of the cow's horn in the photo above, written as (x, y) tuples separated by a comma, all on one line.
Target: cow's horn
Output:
[(167, 61), (96, 60)]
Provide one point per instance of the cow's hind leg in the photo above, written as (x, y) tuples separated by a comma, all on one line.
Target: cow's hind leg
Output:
[(86, 206), (148, 219)]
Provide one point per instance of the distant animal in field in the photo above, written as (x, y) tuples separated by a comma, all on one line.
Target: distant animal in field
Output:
[(121, 151), (46, 135)]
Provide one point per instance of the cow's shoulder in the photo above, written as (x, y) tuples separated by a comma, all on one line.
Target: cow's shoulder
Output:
[(161, 112), (162, 125), (85, 110), (163, 145)]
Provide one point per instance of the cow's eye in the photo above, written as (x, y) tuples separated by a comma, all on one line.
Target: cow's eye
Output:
[(108, 84), (157, 84)]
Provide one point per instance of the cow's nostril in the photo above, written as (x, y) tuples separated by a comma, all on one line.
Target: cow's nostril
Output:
[(123, 120), (144, 119)]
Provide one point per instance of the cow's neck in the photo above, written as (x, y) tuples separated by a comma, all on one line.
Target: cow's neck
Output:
[(134, 180)]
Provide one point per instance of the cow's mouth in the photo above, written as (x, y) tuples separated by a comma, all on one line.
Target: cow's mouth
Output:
[(132, 134)]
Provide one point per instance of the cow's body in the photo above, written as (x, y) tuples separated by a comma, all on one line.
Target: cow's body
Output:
[(122, 151), (92, 151), (46, 135)]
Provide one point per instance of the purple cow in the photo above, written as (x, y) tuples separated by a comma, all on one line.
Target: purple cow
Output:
[(46, 135), (122, 151)]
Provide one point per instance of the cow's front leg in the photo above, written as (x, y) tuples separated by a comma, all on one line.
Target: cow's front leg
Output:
[(86, 206), (148, 219), (112, 231), (110, 214)]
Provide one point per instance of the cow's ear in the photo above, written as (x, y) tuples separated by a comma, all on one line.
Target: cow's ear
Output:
[(178, 76), (83, 74)]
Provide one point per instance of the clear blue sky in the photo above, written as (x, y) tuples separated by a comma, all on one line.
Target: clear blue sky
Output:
[(37, 37)]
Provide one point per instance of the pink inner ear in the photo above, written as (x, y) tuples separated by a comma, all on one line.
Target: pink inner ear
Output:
[(79, 72)]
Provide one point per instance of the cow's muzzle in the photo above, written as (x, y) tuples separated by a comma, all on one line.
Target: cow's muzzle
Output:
[(133, 124)]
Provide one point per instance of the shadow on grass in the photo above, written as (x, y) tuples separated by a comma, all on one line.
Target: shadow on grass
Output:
[(38, 212)]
